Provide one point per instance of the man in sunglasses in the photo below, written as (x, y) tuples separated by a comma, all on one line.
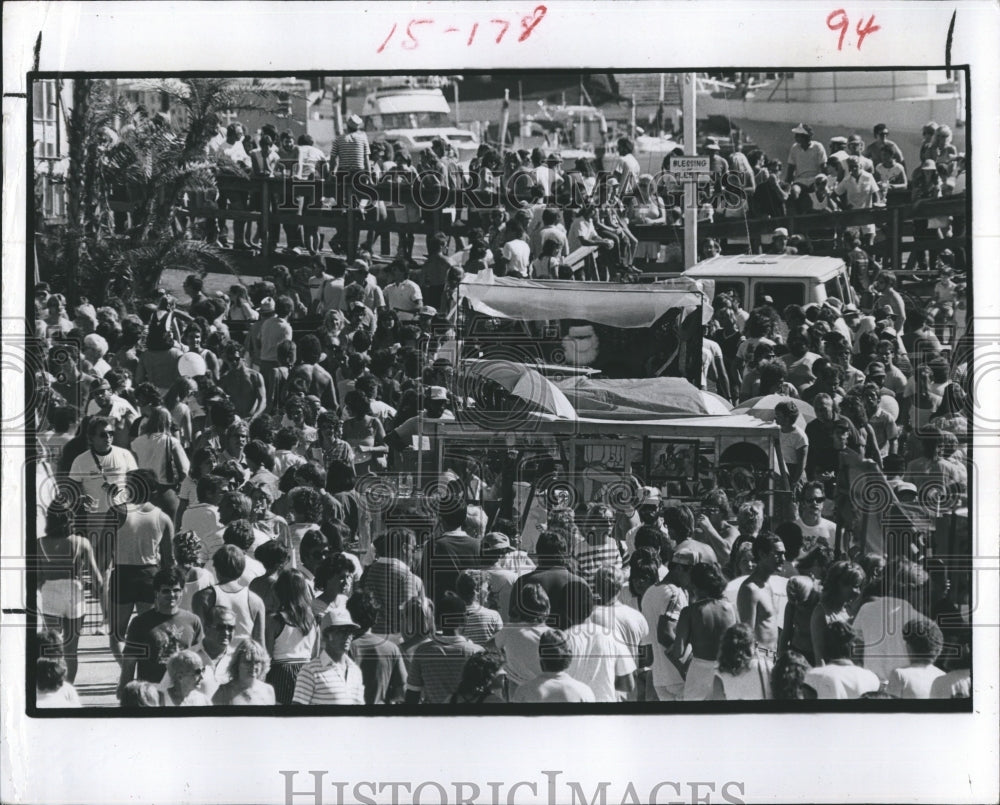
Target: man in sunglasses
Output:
[(101, 472), (155, 635), (815, 529)]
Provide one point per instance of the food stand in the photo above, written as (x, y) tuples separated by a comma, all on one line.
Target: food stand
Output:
[(607, 460)]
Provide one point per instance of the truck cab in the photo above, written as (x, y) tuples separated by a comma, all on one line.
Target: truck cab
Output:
[(787, 279)]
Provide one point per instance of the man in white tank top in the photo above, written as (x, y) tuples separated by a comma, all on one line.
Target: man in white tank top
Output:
[(229, 562)]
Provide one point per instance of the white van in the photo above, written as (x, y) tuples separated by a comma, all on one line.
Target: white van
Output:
[(789, 279), (413, 117)]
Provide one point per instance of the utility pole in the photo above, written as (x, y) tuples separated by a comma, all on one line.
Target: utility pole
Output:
[(504, 118), (520, 109), (690, 187)]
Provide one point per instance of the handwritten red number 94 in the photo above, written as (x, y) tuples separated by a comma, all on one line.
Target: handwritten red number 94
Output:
[(838, 21)]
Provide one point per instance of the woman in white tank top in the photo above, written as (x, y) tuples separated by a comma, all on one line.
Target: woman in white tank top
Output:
[(292, 637), (743, 673)]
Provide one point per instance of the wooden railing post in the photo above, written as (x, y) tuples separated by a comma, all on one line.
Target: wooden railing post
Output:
[(351, 227), (265, 217), (895, 239)]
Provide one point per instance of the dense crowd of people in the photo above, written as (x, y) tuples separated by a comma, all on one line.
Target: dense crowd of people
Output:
[(509, 198), (212, 455)]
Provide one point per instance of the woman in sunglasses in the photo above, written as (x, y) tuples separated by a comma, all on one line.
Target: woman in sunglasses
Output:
[(186, 670)]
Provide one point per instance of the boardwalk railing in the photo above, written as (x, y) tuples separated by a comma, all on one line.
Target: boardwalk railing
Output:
[(277, 207)]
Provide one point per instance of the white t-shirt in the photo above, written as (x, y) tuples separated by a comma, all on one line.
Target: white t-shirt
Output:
[(913, 681), (658, 600), (517, 253), (895, 174), (94, 474), (710, 351), (520, 647), (836, 681), (122, 411), (405, 298), (953, 685), (203, 519), (560, 687), (808, 162), (791, 442), (812, 534), (597, 660), (629, 170), (626, 624), (859, 191), (236, 152), (880, 625), (67, 696), (580, 229)]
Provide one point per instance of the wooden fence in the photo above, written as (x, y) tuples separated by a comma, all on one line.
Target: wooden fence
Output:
[(895, 221)]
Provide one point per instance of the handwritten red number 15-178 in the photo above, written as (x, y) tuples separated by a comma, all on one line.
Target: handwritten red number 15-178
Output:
[(838, 21), (495, 29)]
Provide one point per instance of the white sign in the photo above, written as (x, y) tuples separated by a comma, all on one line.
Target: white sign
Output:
[(690, 168)]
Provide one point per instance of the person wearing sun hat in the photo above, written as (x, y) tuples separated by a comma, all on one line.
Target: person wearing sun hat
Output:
[(504, 564), (350, 159), (333, 677), (806, 158), (779, 241), (649, 510)]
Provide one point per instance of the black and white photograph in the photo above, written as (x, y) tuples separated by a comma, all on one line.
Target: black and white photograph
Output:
[(395, 389)]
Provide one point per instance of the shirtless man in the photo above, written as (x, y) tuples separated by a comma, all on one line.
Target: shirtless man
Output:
[(244, 385), (317, 379), (701, 626), (755, 602)]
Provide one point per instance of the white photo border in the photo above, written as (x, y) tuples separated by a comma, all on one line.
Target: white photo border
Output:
[(832, 757)]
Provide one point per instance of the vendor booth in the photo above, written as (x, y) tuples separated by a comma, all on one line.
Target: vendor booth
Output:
[(622, 331), (576, 461)]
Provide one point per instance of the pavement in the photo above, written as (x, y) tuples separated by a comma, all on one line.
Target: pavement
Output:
[(98, 672)]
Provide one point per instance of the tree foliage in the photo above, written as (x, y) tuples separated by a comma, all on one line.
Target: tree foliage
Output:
[(120, 153)]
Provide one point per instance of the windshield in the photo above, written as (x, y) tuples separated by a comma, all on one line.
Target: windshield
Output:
[(409, 120)]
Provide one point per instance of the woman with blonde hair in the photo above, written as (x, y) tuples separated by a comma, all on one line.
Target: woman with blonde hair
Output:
[(186, 670), (247, 670)]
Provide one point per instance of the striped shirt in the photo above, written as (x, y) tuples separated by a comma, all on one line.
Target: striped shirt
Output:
[(436, 667), (589, 558), (323, 681), (481, 624), (351, 152), (393, 584)]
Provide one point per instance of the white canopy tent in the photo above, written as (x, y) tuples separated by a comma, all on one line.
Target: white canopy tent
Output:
[(609, 303)]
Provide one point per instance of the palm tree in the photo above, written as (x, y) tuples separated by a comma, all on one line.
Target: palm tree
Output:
[(116, 150)]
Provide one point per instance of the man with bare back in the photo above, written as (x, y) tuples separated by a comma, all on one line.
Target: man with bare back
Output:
[(701, 626), (756, 603)]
